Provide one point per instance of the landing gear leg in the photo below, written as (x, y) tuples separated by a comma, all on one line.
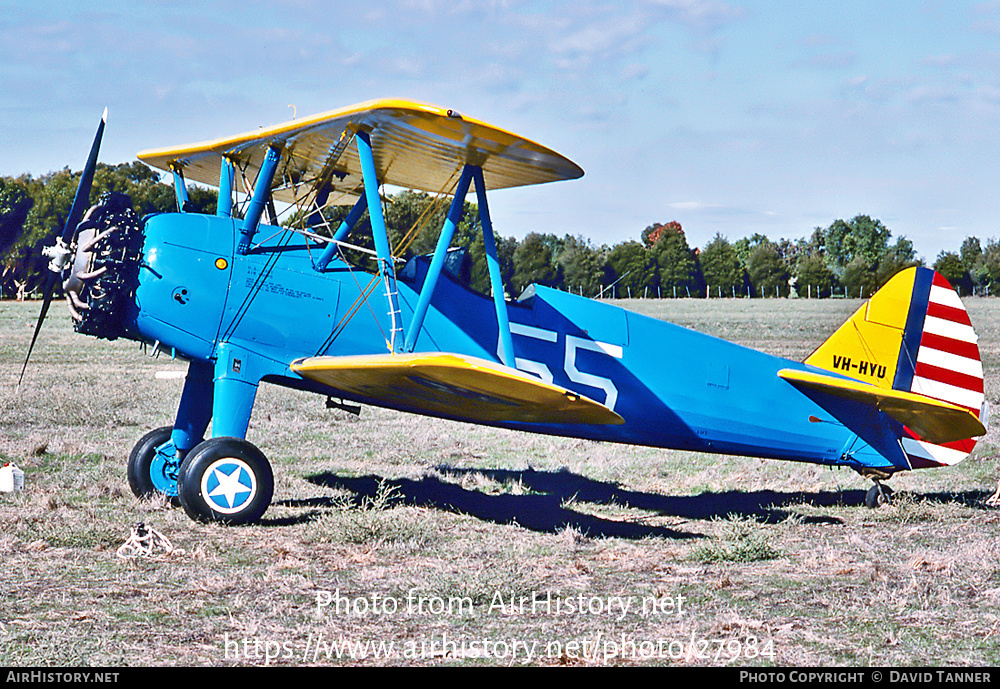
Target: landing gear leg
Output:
[(878, 495), (226, 478), (195, 409), (155, 460)]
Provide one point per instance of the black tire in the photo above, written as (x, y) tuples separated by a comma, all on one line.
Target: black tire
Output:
[(140, 461), (877, 496), (225, 480)]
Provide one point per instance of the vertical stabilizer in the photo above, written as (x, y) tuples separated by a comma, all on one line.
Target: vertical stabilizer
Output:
[(913, 335)]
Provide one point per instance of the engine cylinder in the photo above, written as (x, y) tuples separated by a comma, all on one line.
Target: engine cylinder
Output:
[(101, 281)]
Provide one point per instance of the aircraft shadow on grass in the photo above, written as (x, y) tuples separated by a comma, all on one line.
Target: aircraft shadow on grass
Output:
[(547, 505)]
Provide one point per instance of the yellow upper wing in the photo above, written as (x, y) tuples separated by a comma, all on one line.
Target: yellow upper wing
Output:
[(416, 146)]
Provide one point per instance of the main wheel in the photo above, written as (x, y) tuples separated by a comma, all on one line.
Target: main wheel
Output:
[(151, 472), (878, 495), (225, 480)]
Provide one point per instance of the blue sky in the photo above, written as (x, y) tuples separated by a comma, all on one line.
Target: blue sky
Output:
[(729, 116)]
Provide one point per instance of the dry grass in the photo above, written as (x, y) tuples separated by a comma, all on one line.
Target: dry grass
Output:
[(397, 540)]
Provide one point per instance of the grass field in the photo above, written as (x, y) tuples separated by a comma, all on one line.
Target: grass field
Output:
[(400, 540)]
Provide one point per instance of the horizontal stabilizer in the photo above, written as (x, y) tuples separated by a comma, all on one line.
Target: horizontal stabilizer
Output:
[(453, 386), (933, 420)]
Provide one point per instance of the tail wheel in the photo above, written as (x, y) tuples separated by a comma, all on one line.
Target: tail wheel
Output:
[(151, 471), (225, 480), (878, 495)]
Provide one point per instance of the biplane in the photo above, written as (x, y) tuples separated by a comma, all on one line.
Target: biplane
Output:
[(246, 300)]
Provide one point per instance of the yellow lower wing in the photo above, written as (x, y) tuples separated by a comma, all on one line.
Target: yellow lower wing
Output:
[(933, 420), (453, 386)]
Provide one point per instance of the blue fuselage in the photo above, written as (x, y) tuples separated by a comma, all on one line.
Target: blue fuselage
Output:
[(675, 388)]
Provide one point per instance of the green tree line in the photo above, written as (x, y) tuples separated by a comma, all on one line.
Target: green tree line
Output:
[(33, 211), (849, 257)]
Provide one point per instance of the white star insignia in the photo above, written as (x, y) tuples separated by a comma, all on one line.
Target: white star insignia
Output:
[(229, 485)]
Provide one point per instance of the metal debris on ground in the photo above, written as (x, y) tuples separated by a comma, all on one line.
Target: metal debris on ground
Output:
[(145, 542)]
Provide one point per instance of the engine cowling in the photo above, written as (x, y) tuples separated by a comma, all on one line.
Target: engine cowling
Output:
[(101, 281)]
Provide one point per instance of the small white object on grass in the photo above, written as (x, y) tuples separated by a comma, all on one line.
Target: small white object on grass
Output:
[(11, 478)]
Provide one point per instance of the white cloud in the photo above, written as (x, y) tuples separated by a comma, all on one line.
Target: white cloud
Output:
[(701, 14)]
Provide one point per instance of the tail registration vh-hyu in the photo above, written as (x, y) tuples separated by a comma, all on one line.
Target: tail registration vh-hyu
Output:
[(247, 301)]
